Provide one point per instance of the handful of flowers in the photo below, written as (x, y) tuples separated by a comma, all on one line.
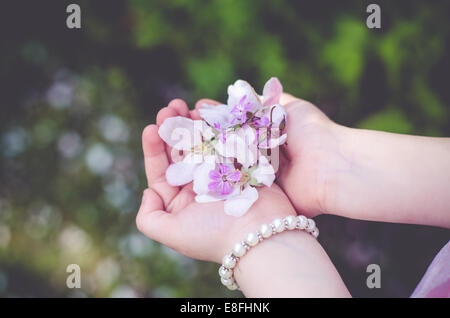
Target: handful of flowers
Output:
[(232, 150)]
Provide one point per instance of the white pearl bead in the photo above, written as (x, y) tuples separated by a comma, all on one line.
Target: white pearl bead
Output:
[(279, 225), (228, 261), (252, 239), (315, 233), (226, 281), (291, 222), (302, 222), (266, 230), (224, 272), (239, 250), (311, 225), (233, 286)]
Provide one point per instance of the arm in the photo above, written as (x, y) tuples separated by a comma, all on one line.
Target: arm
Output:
[(392, 177), (361, 174), (290, 264)]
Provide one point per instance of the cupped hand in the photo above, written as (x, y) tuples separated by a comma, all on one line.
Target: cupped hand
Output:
[(171, 215), (310, 161)]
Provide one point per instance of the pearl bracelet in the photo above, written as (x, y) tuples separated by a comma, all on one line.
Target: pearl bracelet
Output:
[(290, 222)]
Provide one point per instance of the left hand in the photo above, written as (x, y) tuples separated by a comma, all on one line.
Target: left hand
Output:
[(171, 215)]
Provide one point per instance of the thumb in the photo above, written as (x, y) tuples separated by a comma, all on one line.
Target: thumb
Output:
[(153, 221)]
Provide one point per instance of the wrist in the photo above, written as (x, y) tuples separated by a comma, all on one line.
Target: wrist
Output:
[(355, 180), (254, 238), (334, 169), (251, 223), (287, 241)]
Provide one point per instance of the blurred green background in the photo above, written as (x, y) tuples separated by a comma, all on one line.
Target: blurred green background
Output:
[(74, 103)]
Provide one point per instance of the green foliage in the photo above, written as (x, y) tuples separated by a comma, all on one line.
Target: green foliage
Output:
[(73, 109), (409, 46), (345, 53), (210, 75), (390, 119)]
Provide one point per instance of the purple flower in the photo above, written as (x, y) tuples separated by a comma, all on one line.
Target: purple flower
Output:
[(222, 132), (240, 110), (223, 180), (261, 122)]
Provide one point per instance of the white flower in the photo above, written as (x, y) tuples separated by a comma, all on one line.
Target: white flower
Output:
[(272, 92), (240, 203), (236, 203), (240, 144), (183, 133), (216, 114), (242, 99), (223, 152), (193, 137), (245, 107), (264, 173), (233, 186), (224, 183)]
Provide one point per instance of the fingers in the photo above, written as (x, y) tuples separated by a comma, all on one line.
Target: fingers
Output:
[(180, 107), (153, 222), (156, 152), (165, 113), (156, 163), (200, 103), (162, 115), (195, 114)]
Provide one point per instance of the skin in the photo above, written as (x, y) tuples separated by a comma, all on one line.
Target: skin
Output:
[(171, 216), (326, 168), (361, 174)]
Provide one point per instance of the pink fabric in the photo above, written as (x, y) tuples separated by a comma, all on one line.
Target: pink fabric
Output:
[(436, 281)]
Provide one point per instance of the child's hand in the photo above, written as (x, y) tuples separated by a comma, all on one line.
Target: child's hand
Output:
[(311, 157), (171, 216)]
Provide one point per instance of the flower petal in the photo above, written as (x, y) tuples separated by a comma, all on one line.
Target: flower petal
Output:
[(219, 114), (179, 133), (248, 134), (213, 197), (226, 188), (278, 115), (239, 204), (194, 158), (240, 89), (224, 169), (215, 175), (239, 146), (235, 176), (274, 142), (205, 198), (214, 186), (272, 92), (202, 177), (207, 132), (265, 173), (180, 173)]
